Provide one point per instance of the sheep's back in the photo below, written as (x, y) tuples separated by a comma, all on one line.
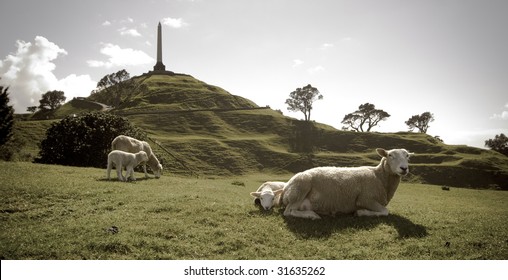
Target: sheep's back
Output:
[(127, 144)]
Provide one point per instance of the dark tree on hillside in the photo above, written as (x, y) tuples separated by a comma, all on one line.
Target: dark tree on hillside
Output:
[(116, 86), (367, 114), (498, 144), (52, 100), (6, 116), (302, 99), (31, 109), (84, 140), (420, 121)]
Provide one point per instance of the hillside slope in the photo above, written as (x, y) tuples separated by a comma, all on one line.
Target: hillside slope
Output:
[(203, 129)]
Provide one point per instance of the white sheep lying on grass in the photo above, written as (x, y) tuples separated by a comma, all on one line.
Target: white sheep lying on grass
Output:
[(364, 191), (268, 194), (129, 160), (132, 145)]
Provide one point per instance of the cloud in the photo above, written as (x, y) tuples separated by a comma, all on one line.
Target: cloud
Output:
[(76, 86), (29, 73), (502, 116), (129, 32), (316, 70), (106, 23), (326, 46), (119, 57), (297, 62), (174, 22)]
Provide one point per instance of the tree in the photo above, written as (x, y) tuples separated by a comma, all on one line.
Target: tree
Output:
[(115, 85), (420, 121), (31, 109), (6, 116), (84, 140), (498, 144), (367, 114), (52, 99), (302, 99)]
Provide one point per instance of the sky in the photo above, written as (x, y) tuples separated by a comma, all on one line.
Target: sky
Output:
[(407, 57)]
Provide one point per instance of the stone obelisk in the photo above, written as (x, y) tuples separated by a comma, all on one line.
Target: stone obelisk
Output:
[(159, 66)]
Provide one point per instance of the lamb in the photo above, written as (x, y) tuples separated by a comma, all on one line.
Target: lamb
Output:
[(364, 191), (129, 160), (132, 145), (268, 194)]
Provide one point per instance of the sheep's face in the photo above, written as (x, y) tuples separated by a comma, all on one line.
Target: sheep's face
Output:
[(144, 156), (397, 159), (265, 199)]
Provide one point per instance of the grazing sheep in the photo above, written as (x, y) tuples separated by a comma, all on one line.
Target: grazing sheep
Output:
[(268, 194), (129, 160), (132, 145), (364, 191)]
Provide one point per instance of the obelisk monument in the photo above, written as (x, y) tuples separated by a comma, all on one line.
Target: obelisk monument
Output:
[(159, 66)]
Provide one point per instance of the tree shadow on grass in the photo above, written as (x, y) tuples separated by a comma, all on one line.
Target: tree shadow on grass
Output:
[(323, 228)]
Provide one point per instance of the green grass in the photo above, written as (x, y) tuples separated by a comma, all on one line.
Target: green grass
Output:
[(56, 212)]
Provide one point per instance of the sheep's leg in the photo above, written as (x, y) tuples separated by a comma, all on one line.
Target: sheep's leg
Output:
[(130, 173), (108, 169), (301, 210), (119, 168), (306, 214), (144, 169), (373, 209)]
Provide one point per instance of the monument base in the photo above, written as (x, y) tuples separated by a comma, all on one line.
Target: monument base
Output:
[(159, 66)]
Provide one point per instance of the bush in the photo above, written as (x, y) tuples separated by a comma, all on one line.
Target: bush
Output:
[(84, 140)]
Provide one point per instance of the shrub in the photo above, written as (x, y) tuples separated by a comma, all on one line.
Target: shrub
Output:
[(84, 140)]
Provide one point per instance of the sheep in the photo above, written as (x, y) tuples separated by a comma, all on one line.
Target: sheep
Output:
[(132, 145), (129, 160), (268, 194), (364, 191)]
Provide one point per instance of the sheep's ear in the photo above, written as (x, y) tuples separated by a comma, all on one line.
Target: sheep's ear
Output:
[(382, 152), (277, 192), (255, 194)]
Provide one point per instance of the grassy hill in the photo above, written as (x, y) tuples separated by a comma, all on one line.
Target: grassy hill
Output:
[(211, 132)]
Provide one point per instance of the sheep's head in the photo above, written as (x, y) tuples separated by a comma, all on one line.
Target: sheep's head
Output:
[(158, 171), (265, 198), (397, 160), (143, 156)]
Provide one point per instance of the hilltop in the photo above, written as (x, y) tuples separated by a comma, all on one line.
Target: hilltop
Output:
[(211, 132)]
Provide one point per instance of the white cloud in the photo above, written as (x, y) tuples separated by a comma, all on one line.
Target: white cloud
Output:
[(76, 86), (316, 70), (119, 57), (174, 22), (29, 73), (297, 62), (106, 23), (129, 32), (502, 116), (326, 46)]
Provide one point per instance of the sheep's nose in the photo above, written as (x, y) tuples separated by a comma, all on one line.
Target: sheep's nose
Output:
[(404, 170)]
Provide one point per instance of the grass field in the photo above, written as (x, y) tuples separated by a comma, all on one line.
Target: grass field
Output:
[(57, 212)]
